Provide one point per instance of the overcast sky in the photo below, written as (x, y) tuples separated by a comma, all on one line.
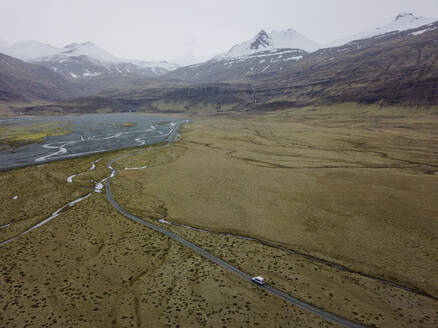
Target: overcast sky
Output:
[(179, 29)]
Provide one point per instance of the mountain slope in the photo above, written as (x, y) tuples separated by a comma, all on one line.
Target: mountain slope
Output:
[(402, 22), (21, 81), (395, 69), (265, 53), (240, 69), (284, 62), (398, 68)]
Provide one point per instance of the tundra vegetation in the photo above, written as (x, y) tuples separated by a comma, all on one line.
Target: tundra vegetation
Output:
[(350, 190)]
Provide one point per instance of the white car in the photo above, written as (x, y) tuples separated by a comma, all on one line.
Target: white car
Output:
[(258, 280)]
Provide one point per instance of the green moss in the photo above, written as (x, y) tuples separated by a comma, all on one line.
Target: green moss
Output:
[(13, 135), (203, 108), (104, 110), (180, 106), (357, 110), (227, 107), (125, 125)]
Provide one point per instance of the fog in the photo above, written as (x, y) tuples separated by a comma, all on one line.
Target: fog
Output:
[(191, 30)]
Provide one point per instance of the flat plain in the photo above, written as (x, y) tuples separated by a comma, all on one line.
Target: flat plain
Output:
[(349, 191)]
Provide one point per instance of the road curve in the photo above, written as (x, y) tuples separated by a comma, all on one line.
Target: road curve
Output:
[(270, 289)]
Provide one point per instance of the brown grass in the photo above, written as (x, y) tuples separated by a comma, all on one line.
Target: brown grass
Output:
[(355, 190)]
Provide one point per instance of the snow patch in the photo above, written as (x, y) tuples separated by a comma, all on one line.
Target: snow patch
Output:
[(98, 188), (265, 68), (136, 168), (423, 31), (70, 178), (87, 74)]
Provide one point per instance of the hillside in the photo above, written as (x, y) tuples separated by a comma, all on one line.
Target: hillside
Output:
[(21, 81), (396, 68), (240, 69)]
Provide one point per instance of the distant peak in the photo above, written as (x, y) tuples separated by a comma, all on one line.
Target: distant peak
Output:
[(405, 15), (261, 40), (73, 45)]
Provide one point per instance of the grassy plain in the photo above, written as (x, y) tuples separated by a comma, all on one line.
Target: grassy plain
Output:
[(92, 267), (353, 186)]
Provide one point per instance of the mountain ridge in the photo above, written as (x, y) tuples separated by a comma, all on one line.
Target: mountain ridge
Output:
[(402, 22), (84, 60)]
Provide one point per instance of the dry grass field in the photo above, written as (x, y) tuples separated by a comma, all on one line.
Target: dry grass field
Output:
[(352, 186)]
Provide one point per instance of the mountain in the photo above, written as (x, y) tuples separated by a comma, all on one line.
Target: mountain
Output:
[(29, 50), (265, 53), (402, 22), (21, 81), (250, 61), (88, 49), (394, 69), (264, 41), (84, 60)]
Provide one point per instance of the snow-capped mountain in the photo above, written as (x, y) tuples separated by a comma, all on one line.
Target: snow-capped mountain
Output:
[(29, 50), (87, 49), (265, 53), (84, 60), (402, 22), (264, 41)]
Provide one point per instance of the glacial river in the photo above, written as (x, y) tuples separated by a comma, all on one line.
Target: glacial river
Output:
[(90, 133)]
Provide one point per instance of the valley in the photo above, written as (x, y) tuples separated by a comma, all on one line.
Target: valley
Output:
[(308, 164), (284, 182)]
